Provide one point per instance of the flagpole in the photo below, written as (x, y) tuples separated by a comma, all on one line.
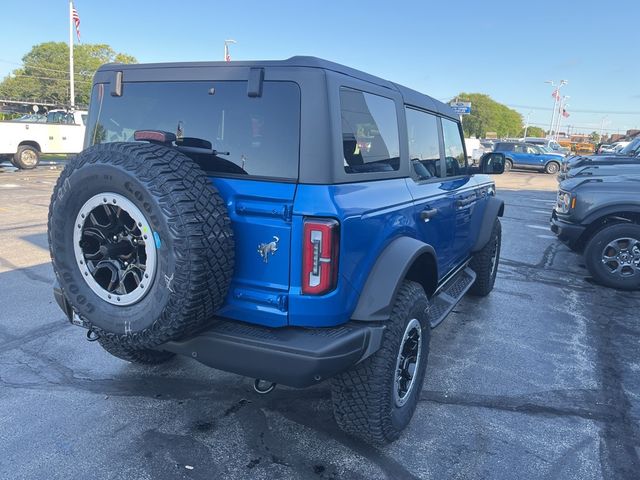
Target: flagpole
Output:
[(72, 93)]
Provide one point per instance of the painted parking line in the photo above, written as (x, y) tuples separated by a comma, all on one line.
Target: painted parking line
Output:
[(549, 237), (9, 185), (542, 211)]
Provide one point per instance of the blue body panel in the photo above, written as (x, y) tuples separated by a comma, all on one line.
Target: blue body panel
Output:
[(259, 211), (371, 216)]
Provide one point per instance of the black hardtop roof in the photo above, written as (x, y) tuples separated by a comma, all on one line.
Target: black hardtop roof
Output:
[(410, 96)]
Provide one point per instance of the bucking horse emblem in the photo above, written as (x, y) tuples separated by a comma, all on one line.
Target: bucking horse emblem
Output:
[(264, 249)]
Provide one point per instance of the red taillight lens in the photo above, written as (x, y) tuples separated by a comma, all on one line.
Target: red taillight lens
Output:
[(320, 255)]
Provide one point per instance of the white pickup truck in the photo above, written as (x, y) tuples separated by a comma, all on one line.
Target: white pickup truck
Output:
[(23, 140)]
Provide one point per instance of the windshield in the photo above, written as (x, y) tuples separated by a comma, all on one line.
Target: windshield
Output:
[(632, 148)]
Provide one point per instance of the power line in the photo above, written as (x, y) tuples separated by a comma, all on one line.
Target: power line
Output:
[(51, 78), (25, 65), (619, 112)]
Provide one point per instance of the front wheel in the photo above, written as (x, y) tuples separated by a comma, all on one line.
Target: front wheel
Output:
[(508, 165), (613, 256), (376, 399), (552, 168)]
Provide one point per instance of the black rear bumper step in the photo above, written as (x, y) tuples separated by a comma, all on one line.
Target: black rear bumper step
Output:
[(293, 356)]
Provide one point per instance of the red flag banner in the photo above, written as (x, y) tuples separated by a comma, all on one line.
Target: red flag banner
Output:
[(565, 114), (556, 94), (76, 21)]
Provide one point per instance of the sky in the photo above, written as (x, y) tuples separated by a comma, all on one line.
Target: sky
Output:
[(504, 49)]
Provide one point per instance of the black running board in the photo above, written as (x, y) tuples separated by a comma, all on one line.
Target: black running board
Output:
[(449, 295)]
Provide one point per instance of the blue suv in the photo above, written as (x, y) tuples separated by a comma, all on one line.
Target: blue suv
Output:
[(291, 221), (525, 155)]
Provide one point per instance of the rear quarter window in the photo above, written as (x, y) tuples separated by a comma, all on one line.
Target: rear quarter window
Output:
[(216, 123), (370, 137)]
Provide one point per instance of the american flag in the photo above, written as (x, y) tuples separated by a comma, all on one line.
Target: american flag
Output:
[(556, 94), (565, 114), (76, 21)]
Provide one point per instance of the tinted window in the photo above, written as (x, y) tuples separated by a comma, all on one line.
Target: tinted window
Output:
[(455, 159), (216, 123), (369, 132), (503, 147), (424, 146)]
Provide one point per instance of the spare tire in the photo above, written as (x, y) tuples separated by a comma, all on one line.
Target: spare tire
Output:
[(141, 243)]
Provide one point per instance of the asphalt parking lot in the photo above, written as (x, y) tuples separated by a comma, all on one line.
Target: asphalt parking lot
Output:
[(541, 379)]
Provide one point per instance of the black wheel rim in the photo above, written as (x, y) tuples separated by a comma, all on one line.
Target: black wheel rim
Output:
[(115, 249), (407, 362)]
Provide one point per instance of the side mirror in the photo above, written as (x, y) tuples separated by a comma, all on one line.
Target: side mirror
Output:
[(492, 163)]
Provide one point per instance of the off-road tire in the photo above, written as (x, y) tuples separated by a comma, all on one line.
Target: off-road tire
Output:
[(508, 165), (552, 168), (192, 232), (483, 263), (143, 356), (21, 163), (593, 256), (363, 397)]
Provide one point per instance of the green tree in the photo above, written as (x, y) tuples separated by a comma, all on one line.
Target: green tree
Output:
[(534, 132), (487, 115), (44, 75), (594, 137)]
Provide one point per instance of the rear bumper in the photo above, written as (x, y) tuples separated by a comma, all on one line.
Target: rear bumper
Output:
[(293, 356), (568, 233)]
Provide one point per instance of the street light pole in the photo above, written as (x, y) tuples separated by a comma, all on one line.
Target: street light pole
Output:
[(563, 105), (526, 126), (227, 57), (556, 97)]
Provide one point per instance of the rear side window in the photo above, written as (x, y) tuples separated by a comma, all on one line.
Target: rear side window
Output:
[(370, 138), (503, 147), (455, 159), (216, 123), (424, 144)]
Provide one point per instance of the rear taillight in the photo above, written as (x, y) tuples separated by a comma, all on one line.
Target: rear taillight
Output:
[(320, 255)]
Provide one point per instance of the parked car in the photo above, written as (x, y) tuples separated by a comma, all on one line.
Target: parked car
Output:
[(525, 155), (292, 221), (616, 147), (627, 156), (604, 170), (600, 216), (552, 145)]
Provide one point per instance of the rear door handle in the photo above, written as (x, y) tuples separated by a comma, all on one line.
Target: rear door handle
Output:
[(427, 214)]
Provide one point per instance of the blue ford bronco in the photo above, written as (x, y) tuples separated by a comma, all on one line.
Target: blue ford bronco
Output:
[(292, 221)]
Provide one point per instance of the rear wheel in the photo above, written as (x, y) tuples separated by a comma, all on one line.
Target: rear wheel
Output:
[(552, 168), (27, 157), (376, 399), (143, 356), (613, 256), (485, 263)]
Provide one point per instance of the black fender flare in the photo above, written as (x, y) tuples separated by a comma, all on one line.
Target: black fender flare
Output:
[(493, 210), (609, 210), (392, 266)]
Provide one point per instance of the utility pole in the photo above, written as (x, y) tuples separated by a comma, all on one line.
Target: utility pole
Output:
[(72, 93), (602, 128)]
